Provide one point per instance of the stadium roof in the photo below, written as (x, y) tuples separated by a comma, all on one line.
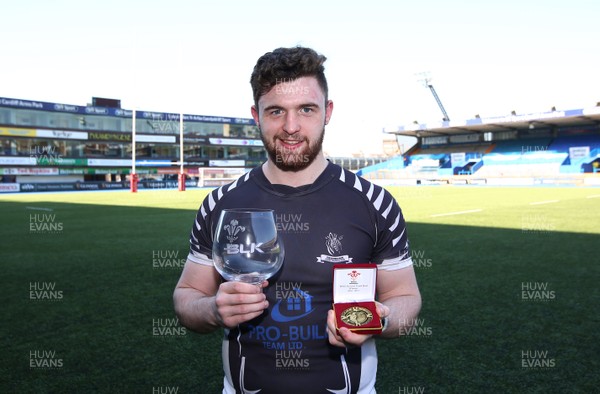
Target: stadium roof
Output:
[(575, 117)]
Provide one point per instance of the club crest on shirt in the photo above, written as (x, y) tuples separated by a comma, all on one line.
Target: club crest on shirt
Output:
[(333, 243)]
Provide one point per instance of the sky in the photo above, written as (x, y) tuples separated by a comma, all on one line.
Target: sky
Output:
[(483, 57)]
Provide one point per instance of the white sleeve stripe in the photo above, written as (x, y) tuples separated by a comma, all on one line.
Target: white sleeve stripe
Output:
[(211, 202), (393, 227), (370, 192), (233, 185), (199, 258), (379, 200), (395, 264), (198, 227), (395, 240), (203, 212), (357, 184), (343, 176), (388, 209)]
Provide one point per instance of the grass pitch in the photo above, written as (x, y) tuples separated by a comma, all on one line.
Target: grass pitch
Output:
[(509, 279)]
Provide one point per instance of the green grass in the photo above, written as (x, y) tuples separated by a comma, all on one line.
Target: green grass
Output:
[(471, 268)]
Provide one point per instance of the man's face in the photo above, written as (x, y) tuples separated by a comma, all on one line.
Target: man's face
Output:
[(292, 118)]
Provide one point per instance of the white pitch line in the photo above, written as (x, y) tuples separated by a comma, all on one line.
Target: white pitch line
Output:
[(543, 202), (593, 196), (40, 209), (455, 213)]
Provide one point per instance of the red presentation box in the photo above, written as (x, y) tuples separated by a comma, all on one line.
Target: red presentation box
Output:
[(354, 287)]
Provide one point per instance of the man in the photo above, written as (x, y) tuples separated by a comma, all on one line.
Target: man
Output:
[(281, 337)]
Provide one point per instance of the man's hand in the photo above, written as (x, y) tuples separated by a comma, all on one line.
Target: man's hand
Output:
[(344, 337), (237, 302)]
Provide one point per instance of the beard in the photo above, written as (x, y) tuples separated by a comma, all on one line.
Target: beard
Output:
[(293, 159)]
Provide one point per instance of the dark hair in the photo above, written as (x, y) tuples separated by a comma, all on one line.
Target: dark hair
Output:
[(285, 65)]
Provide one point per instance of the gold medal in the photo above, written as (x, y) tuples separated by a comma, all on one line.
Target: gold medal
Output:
[(356, 316)]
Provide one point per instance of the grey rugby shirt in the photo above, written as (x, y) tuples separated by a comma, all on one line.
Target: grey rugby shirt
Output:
[(340, 218)]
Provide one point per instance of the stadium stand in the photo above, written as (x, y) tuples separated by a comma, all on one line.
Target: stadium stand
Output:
[(554, 145), (47, 146)]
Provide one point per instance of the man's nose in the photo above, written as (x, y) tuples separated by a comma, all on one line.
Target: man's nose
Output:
[(292, 123)]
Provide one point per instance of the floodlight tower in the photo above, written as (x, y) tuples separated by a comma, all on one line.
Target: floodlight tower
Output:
[(425, 79)]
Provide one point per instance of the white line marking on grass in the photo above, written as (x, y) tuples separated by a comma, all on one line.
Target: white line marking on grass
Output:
[(40, 209), (455, 213), (593, 196), (543, 202)]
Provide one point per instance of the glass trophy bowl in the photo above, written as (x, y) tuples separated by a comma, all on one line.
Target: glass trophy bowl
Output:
[(246, 246)]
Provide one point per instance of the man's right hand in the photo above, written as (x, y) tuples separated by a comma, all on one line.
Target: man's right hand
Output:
[(203, 303), (238, 302)]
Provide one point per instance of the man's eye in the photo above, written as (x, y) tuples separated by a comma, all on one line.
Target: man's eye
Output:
[(276, 112), (307, 110)]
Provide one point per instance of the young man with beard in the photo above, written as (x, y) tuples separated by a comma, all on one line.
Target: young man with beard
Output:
[(281, 336)]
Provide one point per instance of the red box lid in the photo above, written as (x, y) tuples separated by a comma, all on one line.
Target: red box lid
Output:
[(354, 282)]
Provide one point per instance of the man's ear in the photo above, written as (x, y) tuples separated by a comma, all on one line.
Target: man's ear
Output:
[(254, 112), (328, 110)]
